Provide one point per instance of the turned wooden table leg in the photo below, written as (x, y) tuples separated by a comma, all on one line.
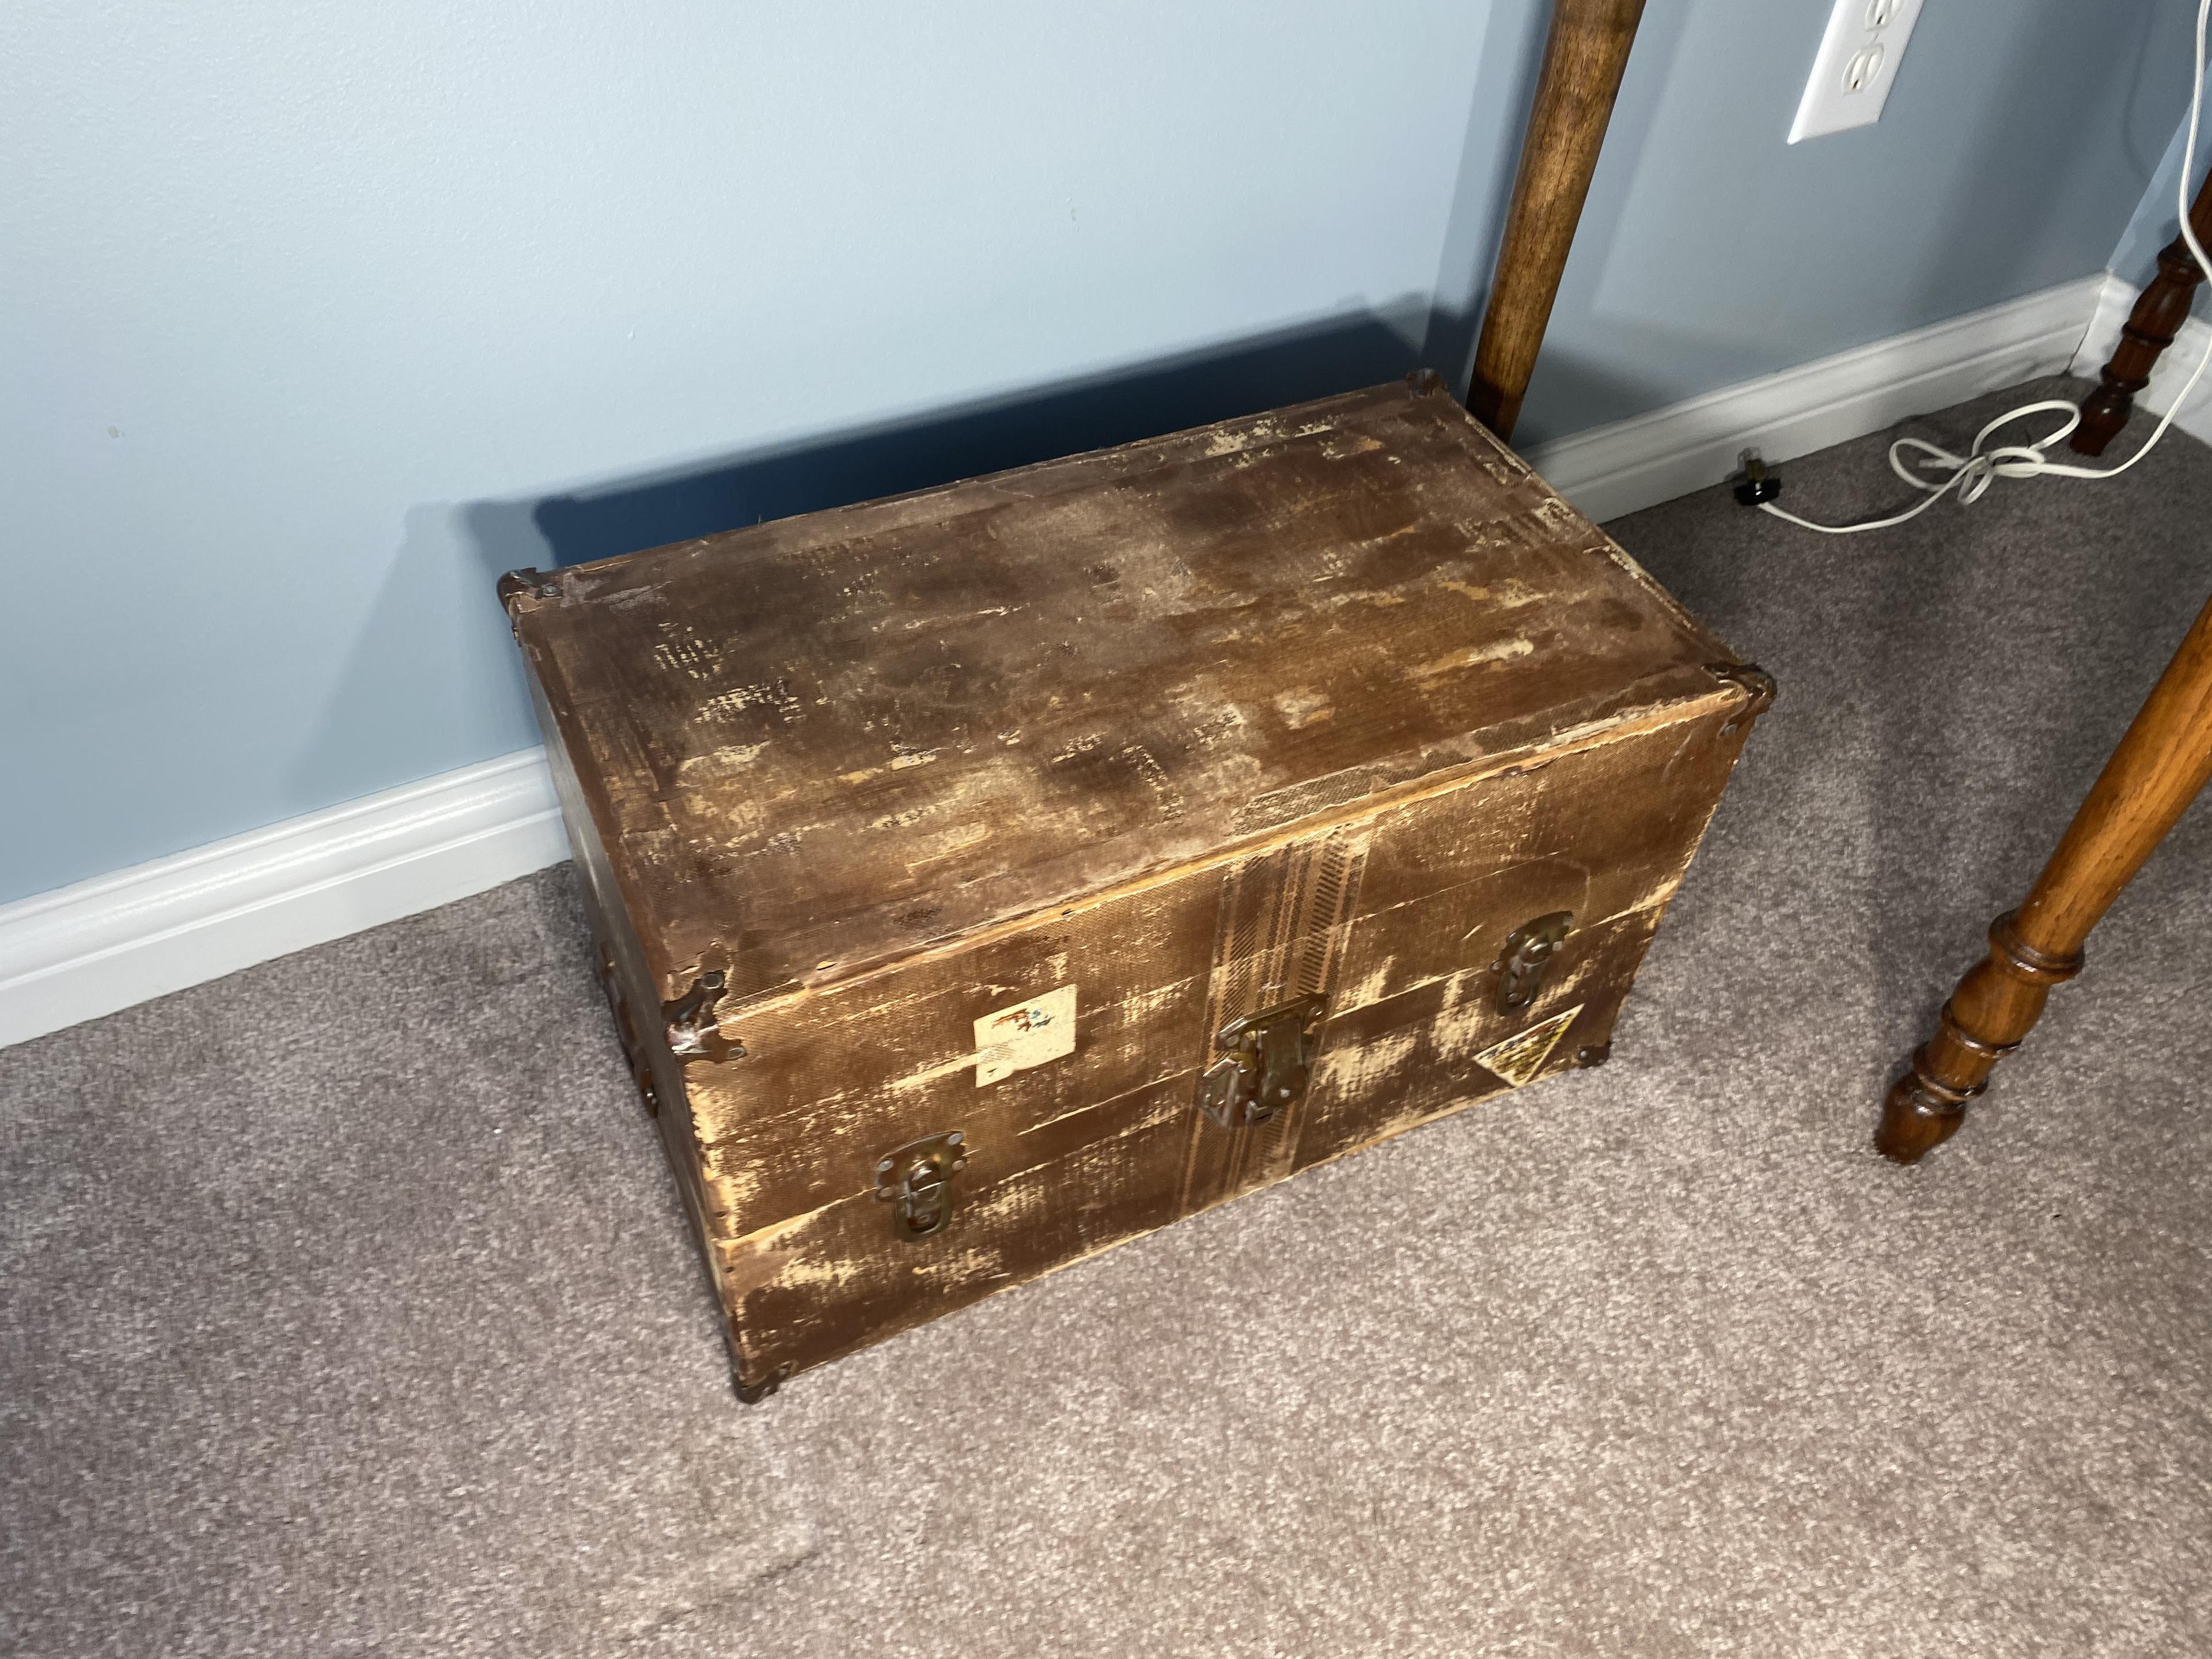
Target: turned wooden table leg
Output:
[(2159, 311), (2158, 769)]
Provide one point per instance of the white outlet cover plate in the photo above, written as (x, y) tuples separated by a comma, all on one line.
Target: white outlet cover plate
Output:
[(1856, 66)]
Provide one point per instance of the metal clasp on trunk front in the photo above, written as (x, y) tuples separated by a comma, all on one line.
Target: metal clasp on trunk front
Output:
[(1528, 950), (1269, 1058), (917, 1179)]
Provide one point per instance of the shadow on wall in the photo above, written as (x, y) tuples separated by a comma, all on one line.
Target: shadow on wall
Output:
[(435, 635), (1243, 377)]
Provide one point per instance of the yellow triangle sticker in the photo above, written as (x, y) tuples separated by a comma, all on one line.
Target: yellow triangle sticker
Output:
[(1520, 1056)]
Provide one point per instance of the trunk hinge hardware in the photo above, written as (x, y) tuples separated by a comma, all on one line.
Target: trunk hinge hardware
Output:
[(692, 1032), (640, 1067), (1270, 1057), (1754, 680), (1528, 950), (916, 1180)]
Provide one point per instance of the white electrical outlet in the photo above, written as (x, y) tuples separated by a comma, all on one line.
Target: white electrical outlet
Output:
[(1856, 65)]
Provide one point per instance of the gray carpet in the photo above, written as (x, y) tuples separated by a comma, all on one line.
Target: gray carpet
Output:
[(348, 1309)]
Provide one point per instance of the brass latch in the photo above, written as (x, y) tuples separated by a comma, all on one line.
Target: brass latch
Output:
[(1528, 950), (1270, 1055), (917, 1180)]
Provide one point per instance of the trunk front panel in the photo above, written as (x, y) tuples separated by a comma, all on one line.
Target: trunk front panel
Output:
[(1399, 920)]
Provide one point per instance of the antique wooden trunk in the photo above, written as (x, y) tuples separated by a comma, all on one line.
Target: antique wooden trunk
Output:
[(986, 876)]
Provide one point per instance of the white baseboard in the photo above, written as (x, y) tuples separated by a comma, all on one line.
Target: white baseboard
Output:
[(1631, 464), (102, 944), (105, 943), (2175, 365)]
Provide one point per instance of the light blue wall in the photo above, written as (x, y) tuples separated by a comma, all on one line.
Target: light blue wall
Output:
[(2015, 142), (293, 287), (319, 316)]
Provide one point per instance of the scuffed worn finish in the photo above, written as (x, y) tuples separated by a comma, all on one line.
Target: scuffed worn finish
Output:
[(1323, 703), (827, 741)]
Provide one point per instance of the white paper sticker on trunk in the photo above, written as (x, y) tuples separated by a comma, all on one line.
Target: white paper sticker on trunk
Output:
[(1028, 1034)]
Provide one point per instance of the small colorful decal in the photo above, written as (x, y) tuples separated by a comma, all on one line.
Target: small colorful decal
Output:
[(1520, 1056), (1028, 1034)]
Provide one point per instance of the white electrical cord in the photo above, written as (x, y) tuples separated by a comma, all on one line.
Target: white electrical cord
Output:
[(1972, 473)]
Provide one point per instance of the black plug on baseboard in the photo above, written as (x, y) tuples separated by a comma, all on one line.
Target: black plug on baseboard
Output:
[(1755, 484)]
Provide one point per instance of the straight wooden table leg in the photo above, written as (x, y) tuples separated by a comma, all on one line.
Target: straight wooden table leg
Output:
[(1585, 55), (2157, 771)]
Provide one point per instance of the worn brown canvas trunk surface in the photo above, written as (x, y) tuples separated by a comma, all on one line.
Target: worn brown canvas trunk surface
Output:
[(986, 876)]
